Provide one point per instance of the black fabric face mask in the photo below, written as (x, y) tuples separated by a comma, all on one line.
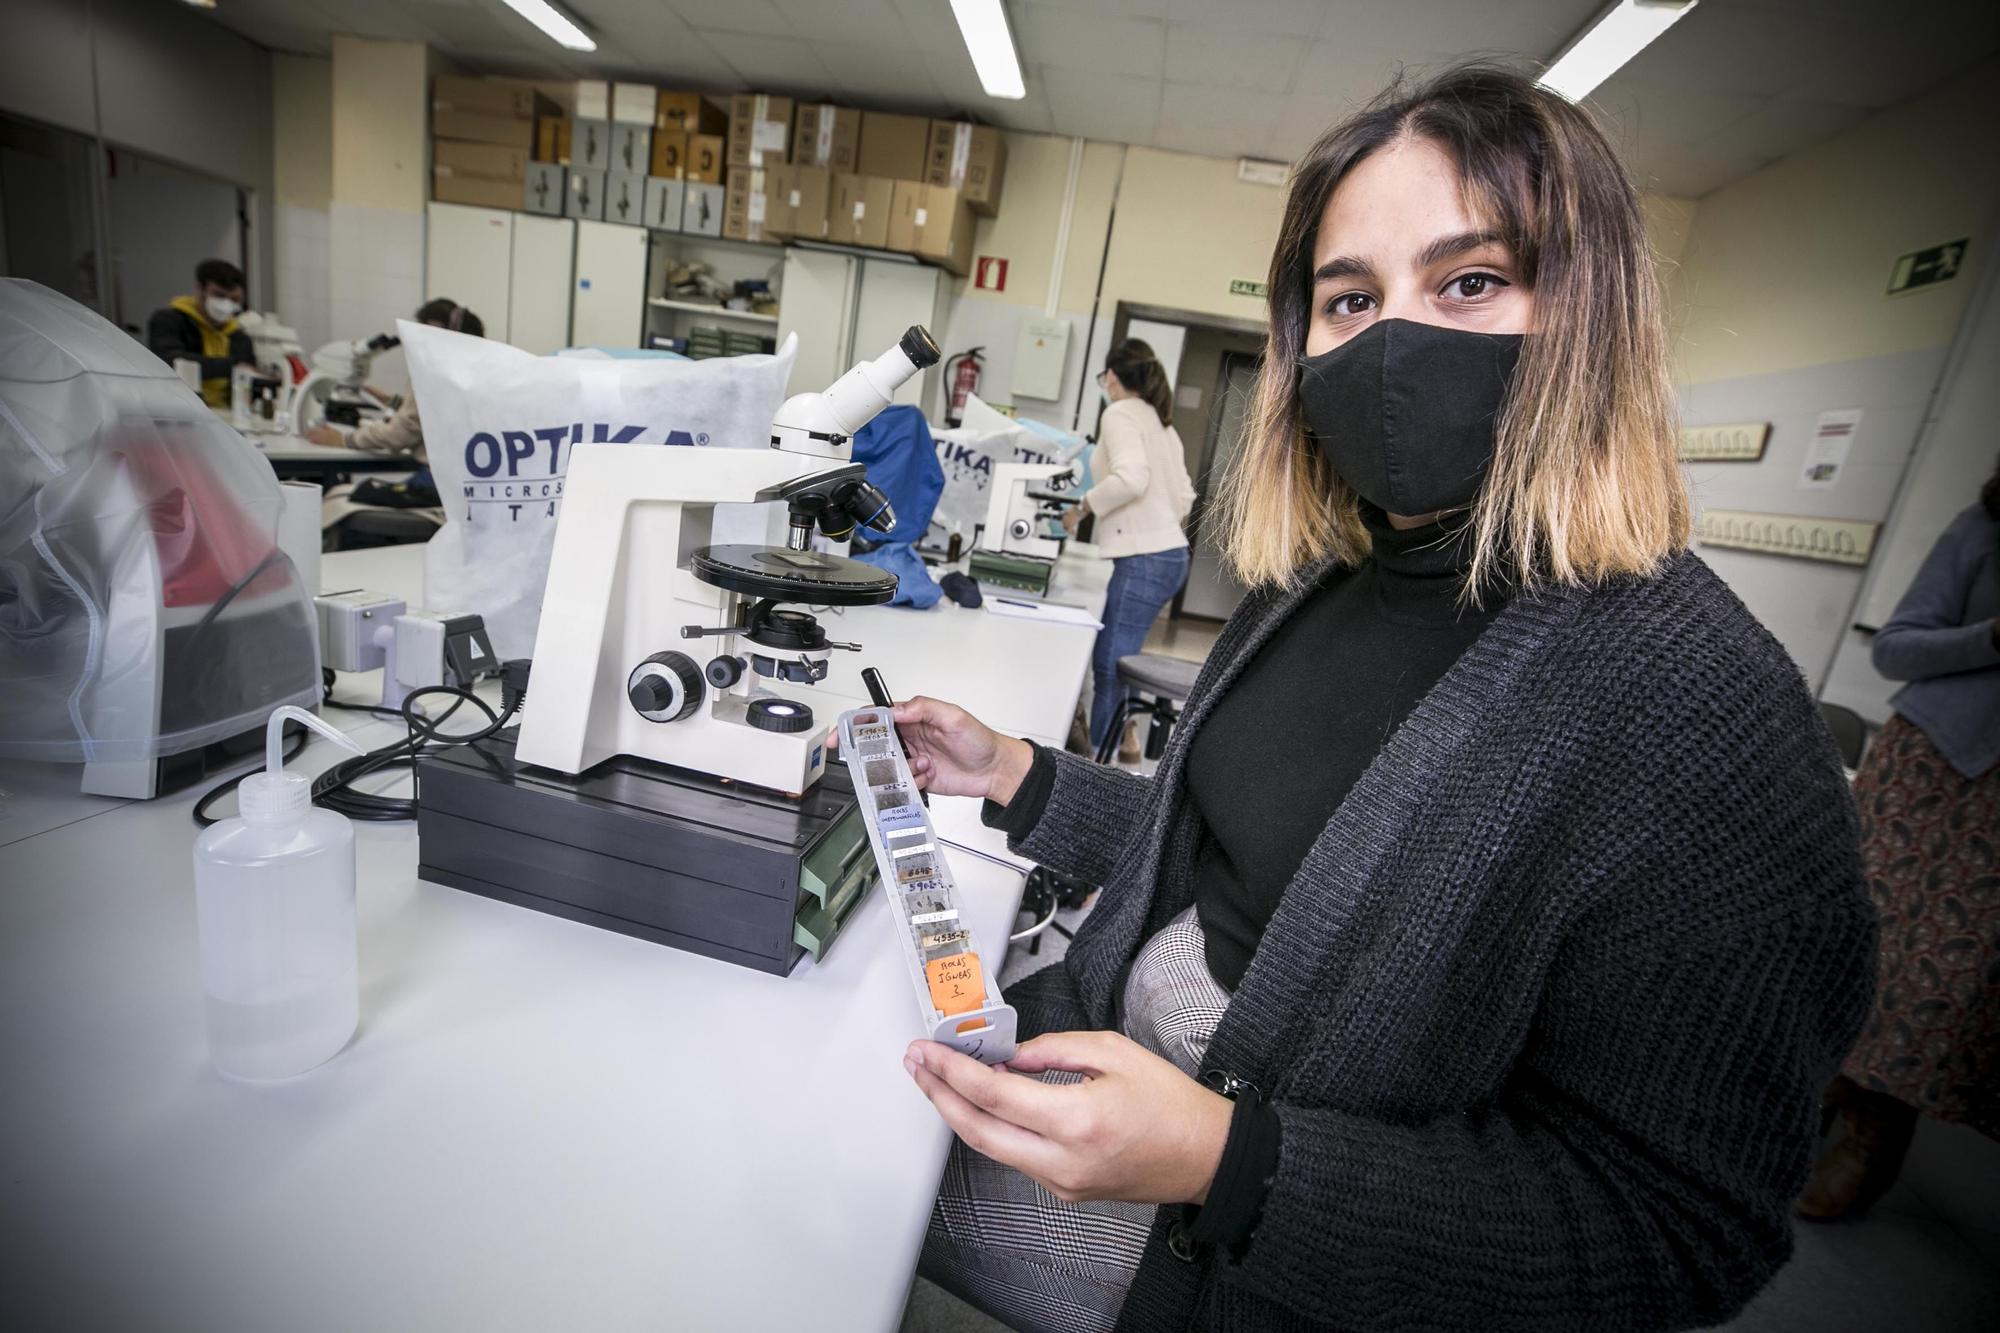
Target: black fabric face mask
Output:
[(1406, 412)]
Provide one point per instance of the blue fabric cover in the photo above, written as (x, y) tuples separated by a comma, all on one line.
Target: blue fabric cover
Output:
[(914, 585), (901, 458)]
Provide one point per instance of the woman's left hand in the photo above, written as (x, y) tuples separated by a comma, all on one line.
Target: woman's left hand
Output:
[(1135, 1129), (327, 436), (1072, 519)]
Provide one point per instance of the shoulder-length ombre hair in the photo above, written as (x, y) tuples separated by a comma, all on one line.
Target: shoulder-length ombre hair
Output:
[(1584, 482)]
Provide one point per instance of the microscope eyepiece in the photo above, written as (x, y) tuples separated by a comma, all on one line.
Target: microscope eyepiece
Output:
[(919, 346)]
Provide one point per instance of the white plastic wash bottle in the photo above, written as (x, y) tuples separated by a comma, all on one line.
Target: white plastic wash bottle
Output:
[(274, 896)]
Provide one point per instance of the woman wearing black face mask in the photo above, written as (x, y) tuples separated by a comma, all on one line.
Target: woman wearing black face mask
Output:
[(1476, 954)]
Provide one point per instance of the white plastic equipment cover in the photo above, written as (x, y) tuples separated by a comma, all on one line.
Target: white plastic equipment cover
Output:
[(145, 606), (499, 424)]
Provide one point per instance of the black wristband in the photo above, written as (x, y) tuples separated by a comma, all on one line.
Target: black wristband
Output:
[(1017, 818), (1242, 1178)]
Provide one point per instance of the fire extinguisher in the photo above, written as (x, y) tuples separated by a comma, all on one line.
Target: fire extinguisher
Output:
[(962, 371)]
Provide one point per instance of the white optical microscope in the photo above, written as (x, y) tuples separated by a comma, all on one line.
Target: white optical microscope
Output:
[(332, 392), (637, 568), (675, 793), (1018, 543)]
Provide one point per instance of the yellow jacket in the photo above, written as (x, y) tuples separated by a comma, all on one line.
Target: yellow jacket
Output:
[(183, 332)]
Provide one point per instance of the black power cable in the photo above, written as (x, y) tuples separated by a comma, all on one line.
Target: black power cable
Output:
[(333, 789)]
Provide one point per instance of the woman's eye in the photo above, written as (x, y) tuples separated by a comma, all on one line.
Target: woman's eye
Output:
[(1475, 286), (1349, 303)]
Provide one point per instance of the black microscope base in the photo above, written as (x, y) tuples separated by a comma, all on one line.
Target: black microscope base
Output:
[(640, 848)]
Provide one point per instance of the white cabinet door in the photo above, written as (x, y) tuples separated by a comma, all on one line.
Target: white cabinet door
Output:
[(544, 263), (817, 303), (469, 257), (609, 298), (893, 297)]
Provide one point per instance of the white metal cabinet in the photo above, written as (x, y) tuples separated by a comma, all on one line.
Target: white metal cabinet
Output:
[(817, 303), (544, 262), (894, 296), (608, 298), (469, 258)]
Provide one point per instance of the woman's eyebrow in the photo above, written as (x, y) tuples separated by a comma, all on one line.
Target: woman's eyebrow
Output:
[(1450, 247), (1346, 266)]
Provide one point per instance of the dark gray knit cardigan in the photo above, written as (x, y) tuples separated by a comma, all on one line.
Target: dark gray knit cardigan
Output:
[(1546, 1010)]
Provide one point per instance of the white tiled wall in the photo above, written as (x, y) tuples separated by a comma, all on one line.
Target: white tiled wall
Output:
[(302, 237), (377, 277)]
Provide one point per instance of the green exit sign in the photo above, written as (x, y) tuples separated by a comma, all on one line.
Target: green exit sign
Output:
[(1927, 268), (1246, 287)]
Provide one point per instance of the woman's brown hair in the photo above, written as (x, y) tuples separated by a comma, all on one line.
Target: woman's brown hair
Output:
[(1139, 370), (1585, 482)]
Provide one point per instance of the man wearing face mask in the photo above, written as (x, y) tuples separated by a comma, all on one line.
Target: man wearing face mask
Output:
[(201, 326)]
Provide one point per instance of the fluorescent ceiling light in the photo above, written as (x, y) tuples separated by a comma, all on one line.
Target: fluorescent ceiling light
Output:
[(1614, 37), (983, 23), (560, 27)]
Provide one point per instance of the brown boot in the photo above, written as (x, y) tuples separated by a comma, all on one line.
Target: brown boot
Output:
[(1129, 749), (1873, 1136), (1079, 736)]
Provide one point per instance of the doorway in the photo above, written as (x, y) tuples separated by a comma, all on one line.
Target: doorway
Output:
[(1212, 592), (1211, 362)]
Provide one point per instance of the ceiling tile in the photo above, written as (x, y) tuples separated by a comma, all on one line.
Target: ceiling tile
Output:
[(1199, 119), (1684, 171), (1294, 18), (1335, 69), (730, 15), (901, 77), (928, 25), (1120, 107), (1787, 125), (1056, 35), (1303, 118), (778, 64), (960, 94), (455, 27), (1884, 59), (1731, 50), (1635, 113), (1229, 59), (1443, 29), (664, 49), (871, 22)]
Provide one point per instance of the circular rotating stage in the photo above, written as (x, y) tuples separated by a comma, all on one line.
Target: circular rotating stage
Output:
[(784, 575)]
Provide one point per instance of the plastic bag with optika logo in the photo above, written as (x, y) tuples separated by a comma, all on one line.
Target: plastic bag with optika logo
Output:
[(499, 424)]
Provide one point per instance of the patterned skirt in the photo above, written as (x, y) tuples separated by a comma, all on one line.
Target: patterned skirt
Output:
[(1930, 846)]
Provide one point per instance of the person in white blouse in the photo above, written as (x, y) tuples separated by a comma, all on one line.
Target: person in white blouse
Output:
[(1140, 501)]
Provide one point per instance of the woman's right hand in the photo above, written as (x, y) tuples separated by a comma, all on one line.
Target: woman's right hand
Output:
[(953, 753)]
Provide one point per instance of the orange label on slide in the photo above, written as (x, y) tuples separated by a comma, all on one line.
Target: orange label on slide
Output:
[(957, 984)]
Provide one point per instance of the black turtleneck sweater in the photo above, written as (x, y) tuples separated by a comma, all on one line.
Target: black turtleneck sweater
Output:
[(1308, 715), (1276, 756)]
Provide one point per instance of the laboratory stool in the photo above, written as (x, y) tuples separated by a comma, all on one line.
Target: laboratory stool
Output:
[(1167, 681)]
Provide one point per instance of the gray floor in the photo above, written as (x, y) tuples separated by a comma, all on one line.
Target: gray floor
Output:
[(1924, 1260)]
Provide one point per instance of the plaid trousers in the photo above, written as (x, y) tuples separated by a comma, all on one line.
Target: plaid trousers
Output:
[(1001, 1242)]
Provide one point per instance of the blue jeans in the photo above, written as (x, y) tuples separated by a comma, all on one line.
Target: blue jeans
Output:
[(1140, 586)]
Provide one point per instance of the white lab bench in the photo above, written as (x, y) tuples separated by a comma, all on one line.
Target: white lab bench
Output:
[(539, 1124), (295, 458)]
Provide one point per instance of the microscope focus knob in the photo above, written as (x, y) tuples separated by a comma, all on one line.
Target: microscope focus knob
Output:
[(666, 687)]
